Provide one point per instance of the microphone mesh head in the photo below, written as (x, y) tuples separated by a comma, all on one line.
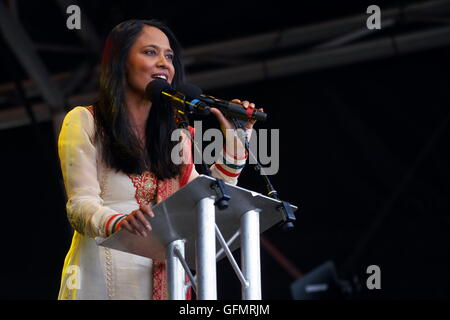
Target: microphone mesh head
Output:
[(154, 89), (190, 90)]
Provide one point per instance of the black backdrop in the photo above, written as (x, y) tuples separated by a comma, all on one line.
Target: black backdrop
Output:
[(363, 150)]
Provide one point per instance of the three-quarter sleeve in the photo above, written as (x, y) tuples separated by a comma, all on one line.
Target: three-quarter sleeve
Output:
[(227, 167), (78, 158)]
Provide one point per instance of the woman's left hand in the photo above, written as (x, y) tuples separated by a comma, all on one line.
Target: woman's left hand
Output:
[(227, 124), (233, 141)]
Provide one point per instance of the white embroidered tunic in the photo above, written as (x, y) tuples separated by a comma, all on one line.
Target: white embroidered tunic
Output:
[(97, 198)]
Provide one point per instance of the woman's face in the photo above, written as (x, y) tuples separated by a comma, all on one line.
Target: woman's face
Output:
[(149, 58)]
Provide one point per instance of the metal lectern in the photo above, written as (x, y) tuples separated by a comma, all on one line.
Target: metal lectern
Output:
[(187, 228)]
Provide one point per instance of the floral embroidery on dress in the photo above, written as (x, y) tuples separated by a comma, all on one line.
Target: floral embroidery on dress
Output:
[(159, 280), (145, 185), (149, 189)]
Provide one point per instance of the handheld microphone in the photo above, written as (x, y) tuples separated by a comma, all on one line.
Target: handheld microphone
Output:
[(190, 97), (159, 88), (228, 108)]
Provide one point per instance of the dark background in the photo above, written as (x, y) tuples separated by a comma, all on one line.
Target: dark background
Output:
[(364, 151)]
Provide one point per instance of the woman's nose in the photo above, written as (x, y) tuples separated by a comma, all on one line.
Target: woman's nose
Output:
[(163, 62)]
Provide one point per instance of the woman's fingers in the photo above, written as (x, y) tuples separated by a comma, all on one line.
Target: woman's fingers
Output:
[(251, 122), (247, 104), (142, 221), (244, 103), (219, 115), (146, 210), (137, 226), (127, 226), (136, 223), (224, 122)]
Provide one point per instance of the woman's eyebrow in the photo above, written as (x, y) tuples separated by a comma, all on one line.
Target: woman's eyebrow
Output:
[(157, 47)]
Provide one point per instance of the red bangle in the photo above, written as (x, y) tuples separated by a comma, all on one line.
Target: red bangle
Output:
[(120, 223), (109, 221)]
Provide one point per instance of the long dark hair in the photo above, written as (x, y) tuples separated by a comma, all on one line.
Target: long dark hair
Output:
[(121, 149)]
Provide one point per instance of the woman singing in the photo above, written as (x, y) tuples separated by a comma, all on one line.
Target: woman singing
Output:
[(115, 160)]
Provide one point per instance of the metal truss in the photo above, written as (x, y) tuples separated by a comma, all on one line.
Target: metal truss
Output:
[(245, 60)]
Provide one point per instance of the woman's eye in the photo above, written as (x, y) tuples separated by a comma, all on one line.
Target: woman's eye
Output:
[(150, 52), (169, 56)]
